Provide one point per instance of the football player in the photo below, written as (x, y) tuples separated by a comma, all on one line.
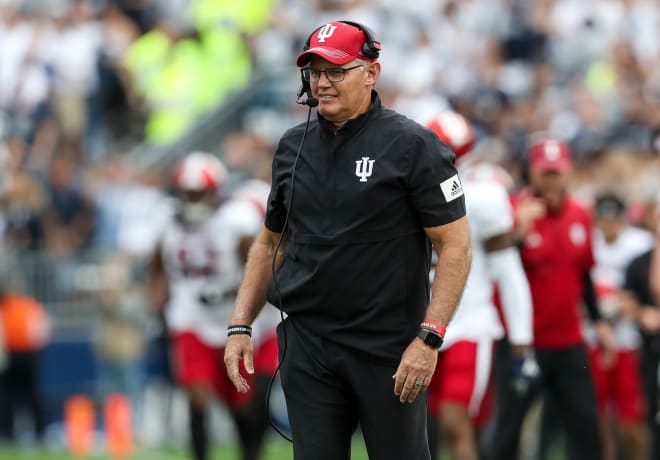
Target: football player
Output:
[(457, 394), (194, 279)]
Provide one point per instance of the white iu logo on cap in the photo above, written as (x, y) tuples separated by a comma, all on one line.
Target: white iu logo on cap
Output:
[(325, 32), (364, 168)]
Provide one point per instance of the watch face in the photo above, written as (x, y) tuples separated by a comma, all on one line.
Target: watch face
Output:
[(431, 339)]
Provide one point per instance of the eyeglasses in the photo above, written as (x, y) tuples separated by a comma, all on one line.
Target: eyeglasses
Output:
[(333, 74)]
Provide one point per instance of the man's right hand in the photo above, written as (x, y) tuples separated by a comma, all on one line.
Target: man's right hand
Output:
[(649, 319), (239, 348)]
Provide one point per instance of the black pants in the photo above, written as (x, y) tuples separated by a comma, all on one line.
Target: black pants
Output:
[(329, 389), (567, 379), (18, 385), (649, 370)]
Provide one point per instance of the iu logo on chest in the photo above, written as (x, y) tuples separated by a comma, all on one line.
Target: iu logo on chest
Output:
[(364, 168)]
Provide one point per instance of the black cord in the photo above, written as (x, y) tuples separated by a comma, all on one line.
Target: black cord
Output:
[(277, 288)]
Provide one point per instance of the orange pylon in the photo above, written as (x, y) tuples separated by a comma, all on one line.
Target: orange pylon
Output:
[(118, 426), (79, 415)]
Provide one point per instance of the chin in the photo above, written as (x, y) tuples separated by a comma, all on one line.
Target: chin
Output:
[(327, 112), (327, 103)]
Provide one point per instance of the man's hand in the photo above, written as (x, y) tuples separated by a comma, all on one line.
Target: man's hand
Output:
[(528, 210), (239, 347), (649, 319), (628, 305), (606, 343), (415, 370)]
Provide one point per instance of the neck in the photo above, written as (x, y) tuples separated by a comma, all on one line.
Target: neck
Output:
[(611, 239), (554, 207)]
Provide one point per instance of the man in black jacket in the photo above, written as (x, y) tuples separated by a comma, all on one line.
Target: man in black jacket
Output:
[(373, 190)]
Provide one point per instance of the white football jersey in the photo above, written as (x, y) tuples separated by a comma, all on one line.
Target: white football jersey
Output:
[(204, 268), (608, 275), (255, 193), (489, 214)]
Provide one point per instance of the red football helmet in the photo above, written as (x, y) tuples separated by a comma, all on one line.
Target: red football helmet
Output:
[(197, 178), (198, 172), (454, 130)]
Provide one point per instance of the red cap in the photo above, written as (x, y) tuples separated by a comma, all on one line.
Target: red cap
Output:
[(550, 155), (335, 42), (454, 130)]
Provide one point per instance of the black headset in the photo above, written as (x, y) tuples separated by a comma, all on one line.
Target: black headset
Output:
[(370, 49)]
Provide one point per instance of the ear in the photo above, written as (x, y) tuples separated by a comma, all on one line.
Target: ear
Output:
[(373, 72)]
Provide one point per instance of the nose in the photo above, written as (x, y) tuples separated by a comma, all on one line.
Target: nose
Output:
[(323, 80)]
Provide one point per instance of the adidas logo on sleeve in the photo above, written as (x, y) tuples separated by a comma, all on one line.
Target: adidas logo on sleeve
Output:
[(452, 188)]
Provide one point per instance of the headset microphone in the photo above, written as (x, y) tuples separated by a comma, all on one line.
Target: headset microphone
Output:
[(310, 100)]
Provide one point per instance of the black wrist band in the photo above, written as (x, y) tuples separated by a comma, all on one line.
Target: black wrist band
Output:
[(430, 338), (239, 329)]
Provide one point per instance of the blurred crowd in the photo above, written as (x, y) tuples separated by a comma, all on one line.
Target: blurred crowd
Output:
[(84, 81), (586, 71)]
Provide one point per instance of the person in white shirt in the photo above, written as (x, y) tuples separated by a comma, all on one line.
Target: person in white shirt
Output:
[(457, 392), (194, 278), (617, 378)]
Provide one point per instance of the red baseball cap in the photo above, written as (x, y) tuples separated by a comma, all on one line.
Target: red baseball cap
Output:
[(550, 155), (336, 42)]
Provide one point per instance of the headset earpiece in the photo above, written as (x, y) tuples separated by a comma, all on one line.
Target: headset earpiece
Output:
[(371, 47)]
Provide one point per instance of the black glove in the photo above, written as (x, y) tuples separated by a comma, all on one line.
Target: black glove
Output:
[(526, 373)]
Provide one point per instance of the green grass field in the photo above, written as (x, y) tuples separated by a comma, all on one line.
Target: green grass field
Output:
[(275, 450)]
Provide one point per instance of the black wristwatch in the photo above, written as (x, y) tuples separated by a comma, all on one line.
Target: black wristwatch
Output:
[(432, 339)]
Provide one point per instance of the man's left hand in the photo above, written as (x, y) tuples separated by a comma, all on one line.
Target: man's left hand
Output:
[(239, 348), (606, 343), (415, 370)]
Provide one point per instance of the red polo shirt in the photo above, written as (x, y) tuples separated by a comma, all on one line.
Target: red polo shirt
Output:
[(556, 253)]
